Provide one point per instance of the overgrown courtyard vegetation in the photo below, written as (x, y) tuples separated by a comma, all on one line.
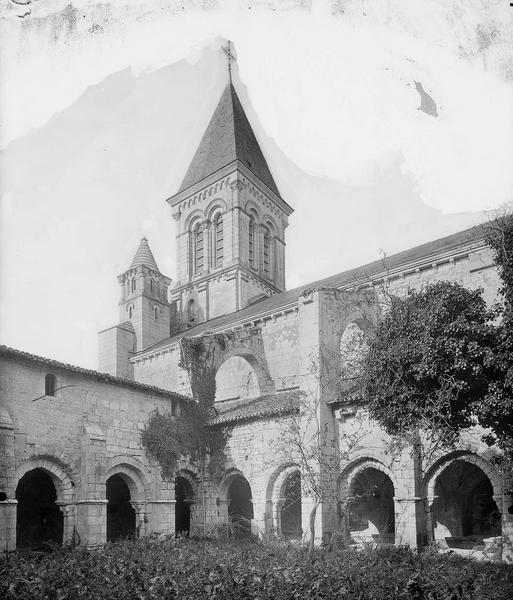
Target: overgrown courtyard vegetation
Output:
[(191, 569)]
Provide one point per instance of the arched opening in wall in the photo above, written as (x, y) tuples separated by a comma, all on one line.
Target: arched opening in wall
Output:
[(191, 311), (240, 506), (371, 507), (236, 379), (38, 518), (353, 348), (218, 241), (120, 514), (251, 242), (290, 513), (184, 497), (464, 512)]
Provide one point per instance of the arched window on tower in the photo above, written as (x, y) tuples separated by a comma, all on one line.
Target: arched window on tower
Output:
[(134, 284), (267, 253), (156, 312), (152, 285), (191, 312), (251, 243), (218, 241), (130, 311), (198, 249)]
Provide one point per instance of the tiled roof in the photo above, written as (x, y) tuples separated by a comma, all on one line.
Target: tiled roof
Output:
[(272, 405), (7, 352), (345, 280), (144, 256), (228, 137)]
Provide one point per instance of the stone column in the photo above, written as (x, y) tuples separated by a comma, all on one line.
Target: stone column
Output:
[(141, 518), (258, 520), (236, 251), (68, 510), (8, 482), (160, 515), (91, 522), (406, 511)]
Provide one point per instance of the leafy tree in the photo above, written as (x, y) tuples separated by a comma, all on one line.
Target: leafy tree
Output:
[(432, 362), (496, 412)]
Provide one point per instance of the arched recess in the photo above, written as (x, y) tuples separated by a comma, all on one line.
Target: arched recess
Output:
[(283, 501), (215, 207), (239, 498), (57, 471), (238, 377), (464, 493), (43, 487), (135, 475), (367, 490), (353, 349)]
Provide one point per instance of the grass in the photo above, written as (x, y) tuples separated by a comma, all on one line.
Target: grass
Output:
[(191, 569)]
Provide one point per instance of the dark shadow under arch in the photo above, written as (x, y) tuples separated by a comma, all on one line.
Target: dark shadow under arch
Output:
[(240, 505), (184, 497), (120, 513), (38, 518)]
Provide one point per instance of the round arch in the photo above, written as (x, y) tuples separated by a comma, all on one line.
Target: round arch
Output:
[(352, 471), (190, 221), (470, 457), (218, 205), (253, 210), (367, 493), (464, 493), (64, 486), (248, 385), (283, 500), (236, 489), (135, 475)]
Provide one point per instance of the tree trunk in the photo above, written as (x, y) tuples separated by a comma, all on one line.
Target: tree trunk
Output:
[(313, 514)]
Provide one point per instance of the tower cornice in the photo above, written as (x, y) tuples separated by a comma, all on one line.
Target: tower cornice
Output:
[(221, 178)]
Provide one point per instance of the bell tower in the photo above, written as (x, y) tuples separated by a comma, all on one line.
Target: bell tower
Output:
[(144, 314), (231, 221)]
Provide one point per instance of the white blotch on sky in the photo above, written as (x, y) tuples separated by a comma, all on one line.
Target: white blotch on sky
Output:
[(330, 90)]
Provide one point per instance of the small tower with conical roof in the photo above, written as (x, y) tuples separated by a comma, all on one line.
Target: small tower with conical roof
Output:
[(144, 314)]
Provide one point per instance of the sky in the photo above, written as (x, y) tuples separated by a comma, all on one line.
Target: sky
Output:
[(385, 124)]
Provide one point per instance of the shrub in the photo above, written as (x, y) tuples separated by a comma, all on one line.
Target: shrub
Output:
[(192, 569)]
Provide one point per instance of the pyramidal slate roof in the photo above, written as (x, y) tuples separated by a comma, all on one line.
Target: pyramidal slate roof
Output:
[(144, 256), (228, 137)]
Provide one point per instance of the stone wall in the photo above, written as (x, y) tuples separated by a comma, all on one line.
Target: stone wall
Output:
[(88, 431)]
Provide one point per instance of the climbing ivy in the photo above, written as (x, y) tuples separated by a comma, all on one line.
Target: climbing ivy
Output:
[(167, 438)]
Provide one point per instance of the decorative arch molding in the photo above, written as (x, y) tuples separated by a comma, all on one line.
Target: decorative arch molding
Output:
[(265, 382), (213, 207), (352, 471), (252, 209), (269, 221), (190, 476), (230, 475), (191, 219), (58, 472), (278, 479), (441, 464), (135, 474)]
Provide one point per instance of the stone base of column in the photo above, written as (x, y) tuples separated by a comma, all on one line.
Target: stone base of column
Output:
[(91, 522), (8, 525), (161, 517)]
